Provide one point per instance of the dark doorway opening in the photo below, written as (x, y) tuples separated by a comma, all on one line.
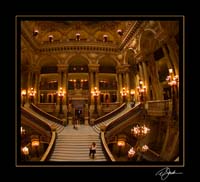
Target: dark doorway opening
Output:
[(79, 115)]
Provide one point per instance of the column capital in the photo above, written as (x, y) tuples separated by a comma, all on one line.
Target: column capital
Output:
[(34, 68), (120, 69), (93, 67), (139, 57), (126, 67), (123, 68)]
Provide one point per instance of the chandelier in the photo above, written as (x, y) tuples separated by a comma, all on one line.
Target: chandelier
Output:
[(139, 132), (173, 81)]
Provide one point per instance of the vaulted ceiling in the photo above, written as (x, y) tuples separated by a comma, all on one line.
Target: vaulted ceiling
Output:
[(90, 31), (120, 35)]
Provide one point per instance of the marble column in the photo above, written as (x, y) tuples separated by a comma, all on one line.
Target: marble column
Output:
[(173, 54), (119, 86), (62, 81), (146, 80), (36, 85)]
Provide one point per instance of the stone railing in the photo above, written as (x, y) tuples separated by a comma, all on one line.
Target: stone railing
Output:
[(46, 115), (105, 130), (158, 107), (135, 110), (109, 107), (110, 115), (47, 107), (105, 146), (36, 120), (45, 126), (49, 149)]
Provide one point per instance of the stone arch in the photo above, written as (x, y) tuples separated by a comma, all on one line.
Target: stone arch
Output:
[(48, 61), (107, 62), (78, 64), (71, 35), (131, 61), (78, 60), (153, 28), (57, 35), (147, 42)]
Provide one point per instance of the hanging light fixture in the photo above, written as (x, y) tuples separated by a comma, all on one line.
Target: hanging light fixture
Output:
[(35, 32), (120, 32), (78, 36), (138, 132), (105, 38), (50, 38)]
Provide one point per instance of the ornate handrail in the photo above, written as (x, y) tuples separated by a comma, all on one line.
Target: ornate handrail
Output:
[(111, 157), (159, 107), (47, 115), (115, 122), (124, 117), (110, 114), (47, 127), (36, 120), (50, 147)]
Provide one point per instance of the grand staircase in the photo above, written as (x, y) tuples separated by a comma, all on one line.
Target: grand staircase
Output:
[(73, 144), (53, 124), (97, 127)]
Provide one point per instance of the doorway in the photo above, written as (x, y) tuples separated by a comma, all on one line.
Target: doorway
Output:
[(79, 115)]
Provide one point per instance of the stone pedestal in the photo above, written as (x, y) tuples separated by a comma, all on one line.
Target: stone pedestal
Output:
[(103, 128), (86, 120), (70, 120), (92, 121)]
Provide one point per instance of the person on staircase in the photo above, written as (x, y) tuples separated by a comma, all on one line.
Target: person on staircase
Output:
[(76, 122), (92, 148)]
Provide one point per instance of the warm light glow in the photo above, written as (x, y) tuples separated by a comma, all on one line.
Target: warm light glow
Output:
[(95, 92), (145, 148), (61, 93), (140, 131), (50, 38), (119, 31), (77, 36), (121, 143), (132, 92), (32, 92), (141, 87), (170, 70), (124, 92), (105, 38), (172, 80), (23, 92), (141, 91), (131, 152), (35, 143), (35, 32), (22, 130), (25, 150)]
